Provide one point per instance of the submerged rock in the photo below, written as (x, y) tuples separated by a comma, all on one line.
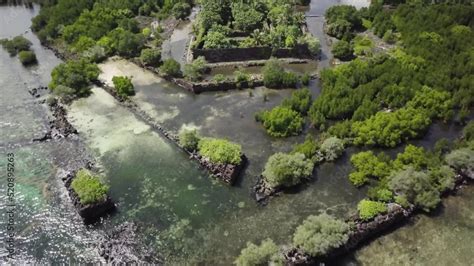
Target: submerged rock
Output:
[(122, 245), (262, 192)]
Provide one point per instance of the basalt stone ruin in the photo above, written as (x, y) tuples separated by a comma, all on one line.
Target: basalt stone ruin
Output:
[(90, 212), (226, 172), (59, 126)]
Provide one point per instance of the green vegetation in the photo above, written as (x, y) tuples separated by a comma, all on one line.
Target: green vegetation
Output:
[(195, 70), (267, 252), (286, 119), (76, 75), (369, 209), (150, 57), (287, 169), (342, 20), (88, 187), (281, 121), (461, 159), (391, 128), (342, 50), (123, 85), (415, 176), (220, 151), (181, 10), (170, 68), (219, 78), (240, 77), (300, 101), (332, 148), (363, 46), (16, 45), (320, 234), (323, 149), (27, 57), (262, 23), (416, 187), (368, 166), (189, 139), (274, 76), (387, 99), (21, 46), (71, 19)]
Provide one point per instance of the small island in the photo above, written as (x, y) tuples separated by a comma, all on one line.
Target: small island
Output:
[(224, 159), (88, 194), (20, 46)]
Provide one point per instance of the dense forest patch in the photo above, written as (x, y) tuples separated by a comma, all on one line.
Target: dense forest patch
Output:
[(225, 24)]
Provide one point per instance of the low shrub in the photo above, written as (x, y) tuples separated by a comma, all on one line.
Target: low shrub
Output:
[(219, 78), (274, 76), (15, 45), (189, 139), (305, 79), (195, 70), (88, 187), (416, 187), (170, 68), (27, 57), (368, 209), (150, 56), (461, 159), (300, 101), (309, 147), (220, 150), (264, 254), (123, 85)]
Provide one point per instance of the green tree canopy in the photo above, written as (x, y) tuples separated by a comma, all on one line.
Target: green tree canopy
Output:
[(287, 170), (332, 148), (416, 187), (75, 74), (265, 253), (281, 121), (367, 166), (320, 234)]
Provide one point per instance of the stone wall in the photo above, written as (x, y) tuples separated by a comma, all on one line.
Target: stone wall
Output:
[(252, 53), (198, 87)]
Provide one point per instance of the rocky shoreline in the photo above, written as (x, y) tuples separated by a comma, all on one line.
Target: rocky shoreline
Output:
[(58, 124), (262, 193), (364, 231)]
